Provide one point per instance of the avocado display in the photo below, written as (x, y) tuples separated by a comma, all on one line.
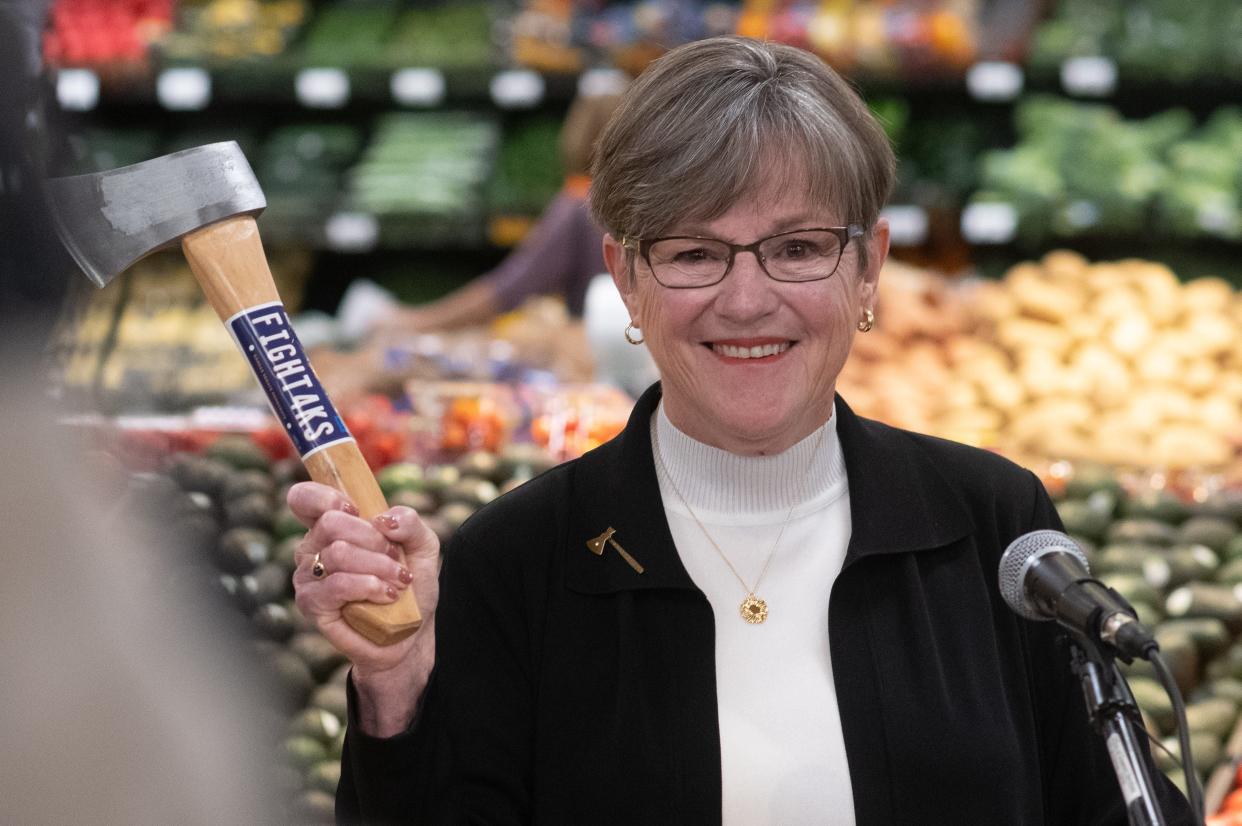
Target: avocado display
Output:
[(199, 473), (239, 453), (273, 621), (246, 482), (398, 477), (316, 724), (230, 509), (253, 510), (1177, 560), (241, 550)]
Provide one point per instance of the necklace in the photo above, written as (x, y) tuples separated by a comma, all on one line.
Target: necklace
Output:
[(753, 609)]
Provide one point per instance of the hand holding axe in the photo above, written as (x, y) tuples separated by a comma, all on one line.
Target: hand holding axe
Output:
[(206, 199)]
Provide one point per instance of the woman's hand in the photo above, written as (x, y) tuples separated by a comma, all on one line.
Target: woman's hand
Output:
[(372, 561)]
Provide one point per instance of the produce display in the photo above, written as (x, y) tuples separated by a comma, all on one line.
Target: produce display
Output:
[(557, 36), (1175, 558), (166, 352), (425, 175), (347, 34), (1160, 39), (1115, 362), (897, 372), (229, 507), (1174, 553), (1081, 169), (104, 33), (301, 170), (448, 36), (528, 167), (215, 31), (874, 38)]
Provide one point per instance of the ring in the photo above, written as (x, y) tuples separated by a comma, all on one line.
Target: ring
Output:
[(317, 568)]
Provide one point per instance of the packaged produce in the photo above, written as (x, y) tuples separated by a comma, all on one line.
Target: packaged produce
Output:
[(211, 31), (875, 38), (105, 33)]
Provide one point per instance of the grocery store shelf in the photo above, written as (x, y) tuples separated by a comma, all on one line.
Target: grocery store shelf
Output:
[(190, 87), (194, 88)]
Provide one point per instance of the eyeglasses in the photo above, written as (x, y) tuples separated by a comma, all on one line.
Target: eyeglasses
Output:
[(683, 262)]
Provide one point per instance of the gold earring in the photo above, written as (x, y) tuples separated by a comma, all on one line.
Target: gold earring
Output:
[(629, 336), (868, 321)]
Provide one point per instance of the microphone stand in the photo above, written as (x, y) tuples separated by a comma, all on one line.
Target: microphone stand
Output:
[(1111, 708)]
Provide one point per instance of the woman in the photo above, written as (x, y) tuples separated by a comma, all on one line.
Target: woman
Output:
[(752, 606)]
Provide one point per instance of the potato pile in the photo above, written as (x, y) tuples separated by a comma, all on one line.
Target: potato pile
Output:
[(1115, 362), (898, 372)]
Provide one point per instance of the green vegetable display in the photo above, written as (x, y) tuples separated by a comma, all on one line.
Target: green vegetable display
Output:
[(1153, 39), (1081, 169), (528, 169), (449, 36), (424, 175)]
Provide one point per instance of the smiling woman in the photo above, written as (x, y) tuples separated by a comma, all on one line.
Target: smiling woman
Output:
[(753, 606)]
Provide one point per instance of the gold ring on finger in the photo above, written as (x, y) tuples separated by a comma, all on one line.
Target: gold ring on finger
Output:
[(318, 571)]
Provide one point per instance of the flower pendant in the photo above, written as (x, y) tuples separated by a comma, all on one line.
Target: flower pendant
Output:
[(753, 609)]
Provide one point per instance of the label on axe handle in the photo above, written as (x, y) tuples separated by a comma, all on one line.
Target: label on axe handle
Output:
[(269, 343)]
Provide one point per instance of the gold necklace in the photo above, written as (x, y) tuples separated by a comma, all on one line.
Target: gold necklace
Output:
[(753, 609)]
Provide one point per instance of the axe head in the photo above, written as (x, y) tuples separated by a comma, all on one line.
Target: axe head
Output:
[(109, 220)]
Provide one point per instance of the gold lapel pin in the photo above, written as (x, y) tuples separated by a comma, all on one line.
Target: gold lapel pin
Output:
[(597, 544)]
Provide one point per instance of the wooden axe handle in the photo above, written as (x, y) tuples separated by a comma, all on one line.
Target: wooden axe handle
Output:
[(228, 260)]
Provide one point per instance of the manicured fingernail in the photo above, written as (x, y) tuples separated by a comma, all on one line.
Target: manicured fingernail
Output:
[(387, 521), (391, 592), (405, 576), (394, 551), (350, 509)]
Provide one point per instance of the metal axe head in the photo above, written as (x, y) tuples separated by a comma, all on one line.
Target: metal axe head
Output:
[(109, 220)]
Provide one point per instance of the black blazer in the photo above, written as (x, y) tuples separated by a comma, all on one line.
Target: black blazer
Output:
[(569, 689)]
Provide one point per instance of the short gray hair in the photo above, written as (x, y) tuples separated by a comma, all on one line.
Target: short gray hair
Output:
[(713, 120)]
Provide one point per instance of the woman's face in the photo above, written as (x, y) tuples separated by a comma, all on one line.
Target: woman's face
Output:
[(752, 405)]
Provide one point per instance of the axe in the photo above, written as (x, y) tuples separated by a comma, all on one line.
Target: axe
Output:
[(205, 199)]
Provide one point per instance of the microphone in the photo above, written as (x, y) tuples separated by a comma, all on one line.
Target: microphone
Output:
[(1044, 576)]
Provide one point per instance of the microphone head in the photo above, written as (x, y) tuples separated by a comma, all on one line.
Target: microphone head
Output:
[(1018, 559)]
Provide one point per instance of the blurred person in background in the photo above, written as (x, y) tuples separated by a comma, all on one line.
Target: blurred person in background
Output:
[(559, 256), (127, 696)]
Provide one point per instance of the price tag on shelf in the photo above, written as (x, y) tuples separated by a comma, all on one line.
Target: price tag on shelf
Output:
[(322, 88), (352, 232), (417, 87), (77, 90), (1089, 76), (183, 89), (989, 223), (1217, 218), (994, 81), (517, 89), (594, 83), (907, 224)]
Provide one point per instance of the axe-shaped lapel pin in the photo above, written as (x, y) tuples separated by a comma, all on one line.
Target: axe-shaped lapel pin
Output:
[(597, 545), (204, 200)]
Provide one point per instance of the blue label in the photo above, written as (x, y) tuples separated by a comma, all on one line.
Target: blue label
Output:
[(269, 343)]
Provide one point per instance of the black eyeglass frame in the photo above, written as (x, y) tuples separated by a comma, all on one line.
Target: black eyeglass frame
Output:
[(643, 247)]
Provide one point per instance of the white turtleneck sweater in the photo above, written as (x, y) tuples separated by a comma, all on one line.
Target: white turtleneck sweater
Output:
[(781, 748)]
